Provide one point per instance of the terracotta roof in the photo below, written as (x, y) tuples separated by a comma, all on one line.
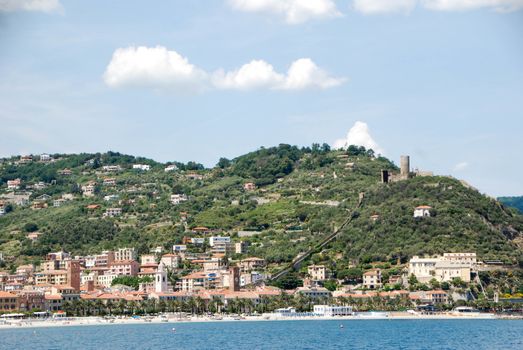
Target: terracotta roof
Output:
[(53, 297), (8, 295), (424, 207)]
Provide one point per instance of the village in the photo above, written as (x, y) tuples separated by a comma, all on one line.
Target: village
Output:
[(211, 270)]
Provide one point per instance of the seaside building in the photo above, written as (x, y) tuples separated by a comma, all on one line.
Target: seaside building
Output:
[(372, 279), (317, 272), (443, 268), (332, 310)]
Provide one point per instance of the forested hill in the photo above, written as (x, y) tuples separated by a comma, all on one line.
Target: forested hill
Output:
[(300, 195), (515, 202)]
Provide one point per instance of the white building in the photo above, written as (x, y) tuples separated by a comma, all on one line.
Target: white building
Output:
[(332, 310), (218, 239), (143, 167), (112, 212), (111, 168), (105, 280), (422, 211), (443, 268), (317, 272), (160, 280), (372, 279), (178, 198), (45, 158), (14, 184), (177, 248), (171, 167), (314, 292), (125, 254)]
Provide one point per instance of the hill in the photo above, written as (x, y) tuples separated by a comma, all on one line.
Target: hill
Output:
[(515, 202), (295, 198)]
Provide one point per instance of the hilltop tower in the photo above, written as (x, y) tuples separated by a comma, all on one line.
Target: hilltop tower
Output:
[(404, 167)]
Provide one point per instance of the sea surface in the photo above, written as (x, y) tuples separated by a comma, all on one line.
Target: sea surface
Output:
[(355, 334)]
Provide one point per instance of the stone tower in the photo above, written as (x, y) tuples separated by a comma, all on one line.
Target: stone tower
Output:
[(404, 167), (234, 279)]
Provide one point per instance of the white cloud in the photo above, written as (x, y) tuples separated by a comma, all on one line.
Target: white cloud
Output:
[(359, 135), (461, 166), (406, 6), (153, 67), (293, 11), (254, 74), (30, 5), (158, 67), (302, 74), (464, 5), (384, 6)]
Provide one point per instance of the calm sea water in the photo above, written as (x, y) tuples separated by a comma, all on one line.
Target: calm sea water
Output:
[(364, 334)]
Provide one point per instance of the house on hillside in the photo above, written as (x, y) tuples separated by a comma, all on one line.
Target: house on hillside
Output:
[(422, 211), (372, 279)]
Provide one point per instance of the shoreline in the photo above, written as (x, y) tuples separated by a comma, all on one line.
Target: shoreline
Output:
[(100, 321)]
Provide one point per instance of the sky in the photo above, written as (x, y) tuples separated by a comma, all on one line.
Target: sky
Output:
[(439, 80)]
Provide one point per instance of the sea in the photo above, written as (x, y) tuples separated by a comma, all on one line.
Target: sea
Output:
[(315, 334)]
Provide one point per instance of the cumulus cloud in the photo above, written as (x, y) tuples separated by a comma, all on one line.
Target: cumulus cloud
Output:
[(293, 11), (464, 5), (405, 6), (47, 6), (359, 135), (153, 67), (384, 6), (159, 67), (461, 166), (302, 74)]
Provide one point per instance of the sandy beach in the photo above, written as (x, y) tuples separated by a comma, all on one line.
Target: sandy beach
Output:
[(172, 319)]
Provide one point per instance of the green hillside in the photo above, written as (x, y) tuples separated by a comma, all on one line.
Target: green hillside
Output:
[(301, 196)]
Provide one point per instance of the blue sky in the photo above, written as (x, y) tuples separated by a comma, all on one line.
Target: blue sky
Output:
[(441, 80)]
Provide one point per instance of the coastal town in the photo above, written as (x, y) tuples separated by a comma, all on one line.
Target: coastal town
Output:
[(217, 270)]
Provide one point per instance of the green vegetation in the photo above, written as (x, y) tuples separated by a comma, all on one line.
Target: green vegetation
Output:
[(302, 195), (131, 281)]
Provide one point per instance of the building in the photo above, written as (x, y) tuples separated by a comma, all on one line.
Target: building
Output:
[(178, 248), (222, 248), (372, 279), (443, 268), (170, 261), (214, 264), (8, 302), (178, 198), (148, 259), (111, 168), (317, 272), (45, 158), (14, 184), (88, 190), (124, 268), (314, 292), (332, 310), (250, 264), (109, 181), (241, 247), (464, 258), (105, 280), (125, 254), (143, 167), (422, 211), (219, 239), (171, 167), (437, 296), (113, 212), (58, 202), (249, 186)]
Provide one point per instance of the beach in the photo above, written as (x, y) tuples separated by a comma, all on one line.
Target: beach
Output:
[(170, 318)]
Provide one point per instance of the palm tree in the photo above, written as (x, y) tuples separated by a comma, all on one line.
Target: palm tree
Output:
[(109, 305), (99, 306), (199, 305)]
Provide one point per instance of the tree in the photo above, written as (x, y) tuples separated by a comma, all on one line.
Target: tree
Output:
[(30, 227)]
